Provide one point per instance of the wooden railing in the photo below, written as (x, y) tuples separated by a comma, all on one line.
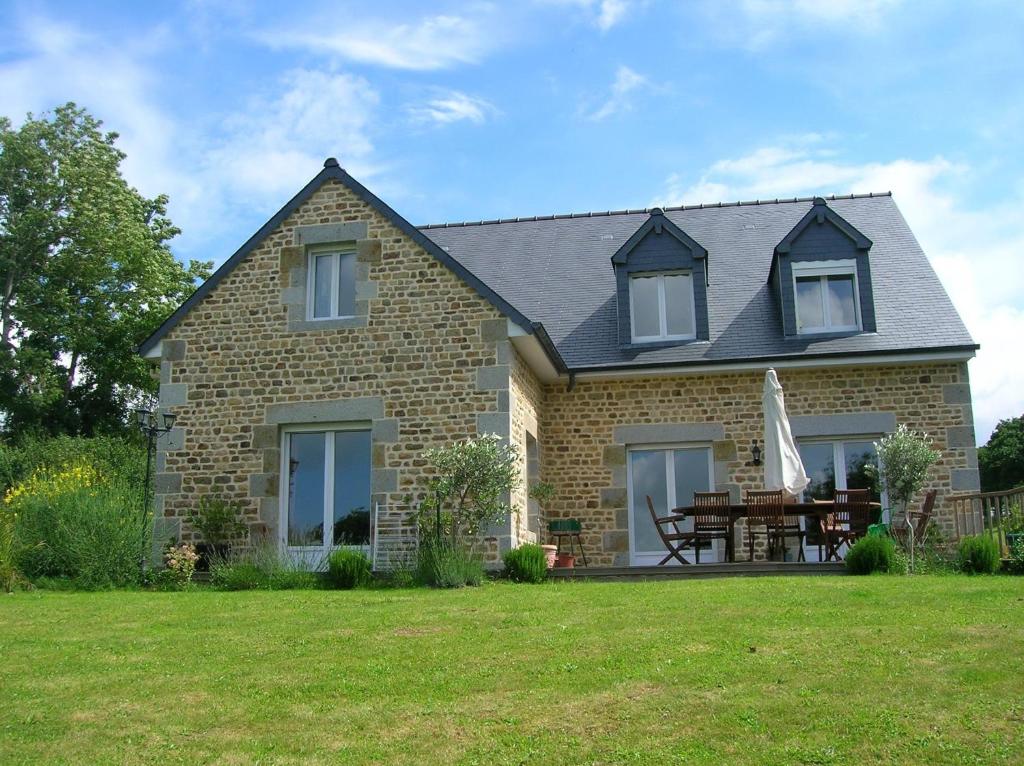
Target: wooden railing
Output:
[(982, 512)]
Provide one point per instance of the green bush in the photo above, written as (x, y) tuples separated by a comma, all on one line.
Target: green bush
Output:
[(873, 553), (262, 567), (527, 563), (1016, 564), (115, 457), (218, 520), (347, 569), (10, 575), (75, 524), (443, 564), (978, 554)]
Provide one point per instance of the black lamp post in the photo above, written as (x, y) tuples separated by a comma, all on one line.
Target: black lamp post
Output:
[(152, 427)]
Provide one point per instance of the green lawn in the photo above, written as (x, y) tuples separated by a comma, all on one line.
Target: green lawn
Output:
[(759, 671)]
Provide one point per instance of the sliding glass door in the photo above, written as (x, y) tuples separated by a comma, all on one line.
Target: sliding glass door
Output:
[(669, 475), (820, 459), (326, 500)]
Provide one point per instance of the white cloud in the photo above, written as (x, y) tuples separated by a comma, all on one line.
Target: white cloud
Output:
[(976, 252), (626, 82), (452, 106), (433, 42), (218, 172), (758, 24), (271, 146), (603, 14)]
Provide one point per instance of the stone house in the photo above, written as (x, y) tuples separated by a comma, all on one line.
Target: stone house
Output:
[(621, 353)]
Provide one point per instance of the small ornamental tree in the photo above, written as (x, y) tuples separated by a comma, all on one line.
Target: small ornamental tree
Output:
[(904, 459), (471, 484)]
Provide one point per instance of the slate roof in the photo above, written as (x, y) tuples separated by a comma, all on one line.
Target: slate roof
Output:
[(557, 271)]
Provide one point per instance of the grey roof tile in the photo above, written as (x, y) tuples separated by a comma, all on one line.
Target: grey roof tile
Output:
[(557, 270)]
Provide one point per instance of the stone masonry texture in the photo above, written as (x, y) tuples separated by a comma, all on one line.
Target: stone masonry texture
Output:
[(432, 363)]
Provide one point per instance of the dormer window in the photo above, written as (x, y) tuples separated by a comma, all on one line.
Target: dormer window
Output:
[(821, 274), (661, 307), (826, 296), (332, 284)]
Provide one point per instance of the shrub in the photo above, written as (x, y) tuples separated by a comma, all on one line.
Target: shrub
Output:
[(1016, 563), (78, 523), (873, 553), (114, 457), (443, 564), (262, 567), (978, 554), (347, 569), (527, 563), (217, 520), (180, 563), (10, 576)]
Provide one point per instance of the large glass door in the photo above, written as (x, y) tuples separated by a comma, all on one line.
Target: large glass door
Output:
[(669, 475), (820, 459), (326, 498)]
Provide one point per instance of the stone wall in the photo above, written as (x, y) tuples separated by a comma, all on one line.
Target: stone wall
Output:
[(424, 362), (527, 402), (588, 429)]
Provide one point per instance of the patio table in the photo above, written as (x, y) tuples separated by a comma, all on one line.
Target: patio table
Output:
[(819, 509)]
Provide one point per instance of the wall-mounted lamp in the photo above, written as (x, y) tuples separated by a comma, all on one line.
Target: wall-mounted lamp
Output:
[(755, 450)]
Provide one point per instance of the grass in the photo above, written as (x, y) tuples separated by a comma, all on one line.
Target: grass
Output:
[(826, 670)]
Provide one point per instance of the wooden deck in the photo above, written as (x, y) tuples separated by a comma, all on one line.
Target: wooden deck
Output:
[(696, 571)]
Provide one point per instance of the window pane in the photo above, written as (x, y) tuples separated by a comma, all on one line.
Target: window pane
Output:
[(820, 468), (840, 301), (323, 268), (859, 455), (347, 284), (648, 469), (679, 304), (691, 467), (351, 487), (306, 489), (644, 294), (809, 311)]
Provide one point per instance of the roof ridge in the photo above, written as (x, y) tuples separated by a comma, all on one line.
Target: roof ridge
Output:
[(634, 211)]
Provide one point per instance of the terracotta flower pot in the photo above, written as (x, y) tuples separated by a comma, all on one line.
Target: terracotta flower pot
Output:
[(549, 553), (565, 561)]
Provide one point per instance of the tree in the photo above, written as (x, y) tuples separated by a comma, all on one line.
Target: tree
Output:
[(1001, 460), (86, 275), (472, 481), (904, 458)]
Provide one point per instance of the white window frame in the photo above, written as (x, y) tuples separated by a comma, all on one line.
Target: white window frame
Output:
[(839, 459), (662, 307), (335, 254), (823, 270), (644, 558), (315, 556)]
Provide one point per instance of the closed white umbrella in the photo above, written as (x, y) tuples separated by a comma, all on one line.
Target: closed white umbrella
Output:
[(783, 468)]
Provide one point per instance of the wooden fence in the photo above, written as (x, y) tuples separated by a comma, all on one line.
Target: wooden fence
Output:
[(994, 512)]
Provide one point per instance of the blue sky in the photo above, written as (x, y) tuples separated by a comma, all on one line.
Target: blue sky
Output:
[(454, 111)]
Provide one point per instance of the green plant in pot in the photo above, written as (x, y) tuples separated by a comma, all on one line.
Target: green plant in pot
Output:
[(219, 523)]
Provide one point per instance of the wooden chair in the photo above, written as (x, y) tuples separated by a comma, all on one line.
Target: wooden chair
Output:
[(767, 509), (920, 519), (676, 539), (711, 521), (848, 521)]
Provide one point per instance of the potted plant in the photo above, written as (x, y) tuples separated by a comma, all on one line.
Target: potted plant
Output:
[(542, 492), (565, 561), (219, 523)]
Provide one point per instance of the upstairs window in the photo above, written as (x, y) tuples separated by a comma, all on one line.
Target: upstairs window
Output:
[(661, 307), (332, 285), (826, 297)]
